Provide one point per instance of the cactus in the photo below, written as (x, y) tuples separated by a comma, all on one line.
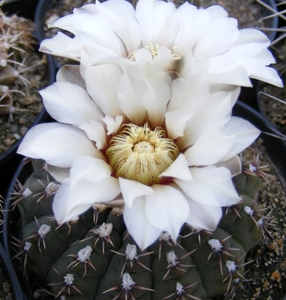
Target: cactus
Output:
[(22, 74), (96, 258)]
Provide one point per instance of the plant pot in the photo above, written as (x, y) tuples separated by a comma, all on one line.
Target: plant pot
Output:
[(23, 8), (275, 148), (12, 276)]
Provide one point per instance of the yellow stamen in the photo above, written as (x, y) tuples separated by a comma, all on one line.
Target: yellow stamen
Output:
[(138, 153)]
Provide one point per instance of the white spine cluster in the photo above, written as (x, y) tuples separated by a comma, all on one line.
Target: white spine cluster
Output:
[(179, 289), (27, 246), (68, 279), (127, 282), (51, 189), (83, 255), (215, 245), (231, 266), (172, 258), (27, 193), (131, 252), (44, 230), (248, 210), (165, 236), (104, 230)]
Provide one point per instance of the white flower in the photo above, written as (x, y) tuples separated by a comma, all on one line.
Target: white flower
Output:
[(113, 32), (167, 150)]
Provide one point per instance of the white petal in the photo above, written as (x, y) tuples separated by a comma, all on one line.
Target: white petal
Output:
[(101, 83), (242, 132), (178, 169), (193, 23), (124, 24), (176, 121), (60, 203), (131, 189), (155, 100), (219, 106), (233, 165), (89, 168), (59, 45), (112, 124), (95, 132), (167, 209), (69, 103), (219, 38), (269, 75), (85, 193), (60, 174), (203, 216), (216, 11), (152, 16), (58, 144), (131, 89), (209, 149), (210, 186), (71, 73), (138, 225), (69, 202)]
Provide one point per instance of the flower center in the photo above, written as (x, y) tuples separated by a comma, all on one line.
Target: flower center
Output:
[(154, 49), (138, 153)]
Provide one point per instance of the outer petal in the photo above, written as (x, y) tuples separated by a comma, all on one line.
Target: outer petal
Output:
[(60, 174), (89, 168), (139, 226), (152, 17), (124, 24), (95, 132), (131, 190), (101, 83), (69, 202), (219, 38), (203, 216), (60, 45), (193, 23), (176, 121), (60, 203), (71, 73), (58, 144), (167, 209), (178, 169), (69, 103), (210, 186), (233, 165), (242, 132), (209, 149)]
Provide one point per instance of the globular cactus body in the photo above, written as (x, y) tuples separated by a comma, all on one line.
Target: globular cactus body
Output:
[(96, 258)]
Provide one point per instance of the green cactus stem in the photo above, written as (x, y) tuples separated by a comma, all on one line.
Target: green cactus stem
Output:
[(96, 258)]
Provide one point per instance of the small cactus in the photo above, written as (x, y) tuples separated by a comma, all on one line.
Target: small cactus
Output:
[(22, 74), (95, 257)]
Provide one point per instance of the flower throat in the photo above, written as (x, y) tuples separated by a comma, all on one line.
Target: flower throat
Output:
[(138, 153)]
